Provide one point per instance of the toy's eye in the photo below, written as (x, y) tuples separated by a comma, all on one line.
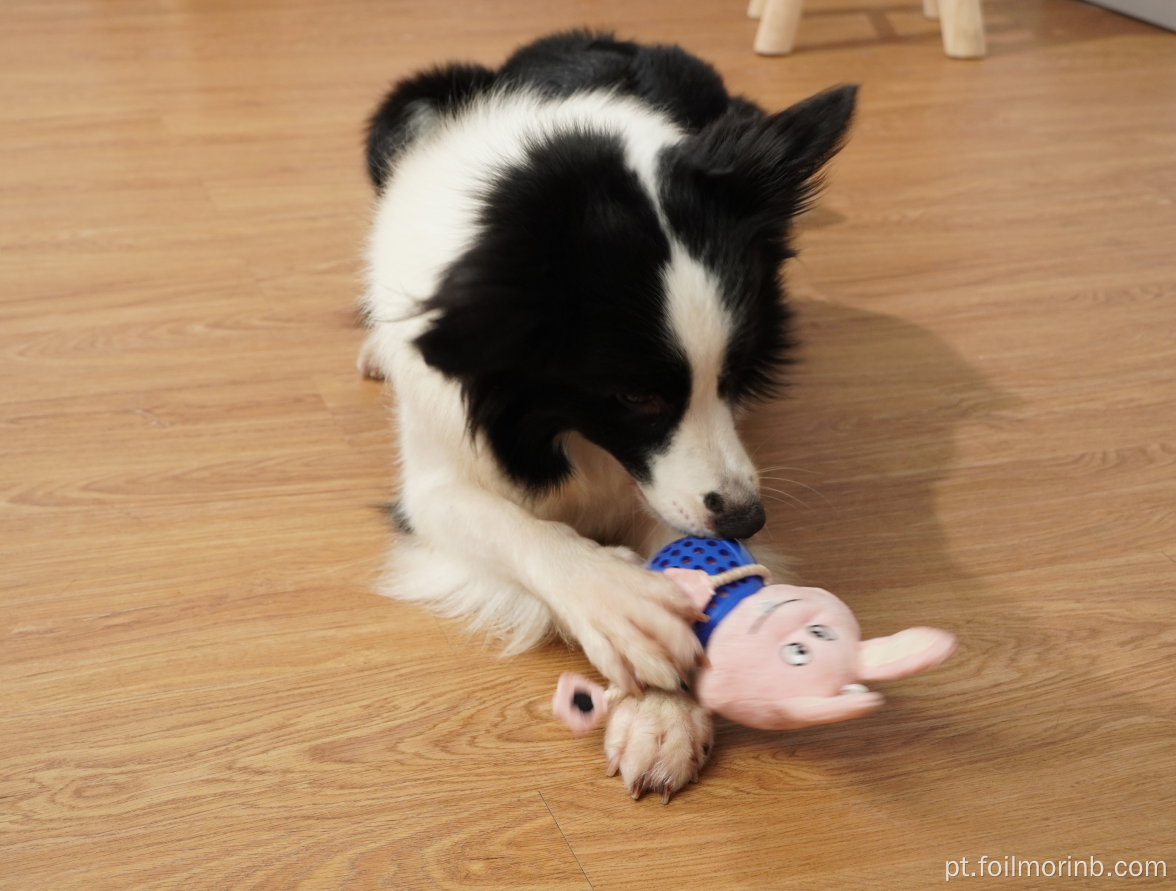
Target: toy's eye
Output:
[(824, 632), (796, 654)]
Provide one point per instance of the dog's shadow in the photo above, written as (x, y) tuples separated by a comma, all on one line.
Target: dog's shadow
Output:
[(852, 456), (852, 459), (883, 418)]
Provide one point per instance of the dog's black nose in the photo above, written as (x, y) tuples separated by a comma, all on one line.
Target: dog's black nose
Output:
[(735, 520)]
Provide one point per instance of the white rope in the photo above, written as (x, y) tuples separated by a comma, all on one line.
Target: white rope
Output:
[(741, 572)]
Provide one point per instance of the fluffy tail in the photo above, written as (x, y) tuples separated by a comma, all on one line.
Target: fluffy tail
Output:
[(413, 106)]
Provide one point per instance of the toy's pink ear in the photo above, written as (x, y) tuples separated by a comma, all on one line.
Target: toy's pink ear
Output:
[(800, 711), (903, 654), (578, 702), (695, 583)]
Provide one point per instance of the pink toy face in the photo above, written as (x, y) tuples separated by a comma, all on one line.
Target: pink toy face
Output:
[(789, 657), (780, 643)]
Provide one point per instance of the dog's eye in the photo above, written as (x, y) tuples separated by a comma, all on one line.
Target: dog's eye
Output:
[(823, 632), (642, 403), (796, 654)]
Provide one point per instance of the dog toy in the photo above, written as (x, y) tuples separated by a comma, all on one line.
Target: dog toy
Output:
[(781, 657)]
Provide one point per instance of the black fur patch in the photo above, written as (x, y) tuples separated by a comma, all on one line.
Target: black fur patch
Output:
[(436, 91), (666, 77), (554, 320), (730, 193), (395, 512)]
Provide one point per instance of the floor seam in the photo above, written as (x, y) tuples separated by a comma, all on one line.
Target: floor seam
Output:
[(566, 842)]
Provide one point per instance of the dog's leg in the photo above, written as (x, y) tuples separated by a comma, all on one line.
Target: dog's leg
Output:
[(632, 624), (659, 742), (449, 585)]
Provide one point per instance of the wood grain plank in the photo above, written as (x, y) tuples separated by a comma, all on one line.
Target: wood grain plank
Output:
[(199, 688)]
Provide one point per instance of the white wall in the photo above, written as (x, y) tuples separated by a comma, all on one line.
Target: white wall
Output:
[(1158, 12)]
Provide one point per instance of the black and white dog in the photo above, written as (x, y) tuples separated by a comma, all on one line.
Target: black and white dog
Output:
[(574, 289)]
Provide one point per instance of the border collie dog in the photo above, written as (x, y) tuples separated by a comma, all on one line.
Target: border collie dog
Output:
[(574, 289)]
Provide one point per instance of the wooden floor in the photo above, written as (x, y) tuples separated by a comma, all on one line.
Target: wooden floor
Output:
[(198, 689)]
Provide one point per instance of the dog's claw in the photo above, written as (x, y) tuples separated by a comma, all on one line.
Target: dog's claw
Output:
[(667, 793), (614, 764)]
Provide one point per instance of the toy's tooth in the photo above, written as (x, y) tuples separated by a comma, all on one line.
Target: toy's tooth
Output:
[(855, 688)]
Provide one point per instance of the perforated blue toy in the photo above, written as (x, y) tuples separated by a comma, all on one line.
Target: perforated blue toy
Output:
[(712, 556)]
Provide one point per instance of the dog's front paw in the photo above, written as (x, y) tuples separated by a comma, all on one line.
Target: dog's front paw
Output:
[(658, 743), (633, 624)]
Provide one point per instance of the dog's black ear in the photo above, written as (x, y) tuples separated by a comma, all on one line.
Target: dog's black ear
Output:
[(811, 132), (765, 168)]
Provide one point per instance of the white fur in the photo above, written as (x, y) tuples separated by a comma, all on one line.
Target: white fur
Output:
[(705, 454)]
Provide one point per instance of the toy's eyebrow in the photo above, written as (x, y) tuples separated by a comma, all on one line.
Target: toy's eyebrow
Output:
[(767, 610)]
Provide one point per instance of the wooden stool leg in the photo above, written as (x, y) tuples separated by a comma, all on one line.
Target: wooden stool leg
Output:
[(755, 8), (777, 28), (962, 24), (931, 9)]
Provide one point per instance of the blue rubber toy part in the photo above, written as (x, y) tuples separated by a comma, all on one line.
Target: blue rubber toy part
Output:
[(711, 555)]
